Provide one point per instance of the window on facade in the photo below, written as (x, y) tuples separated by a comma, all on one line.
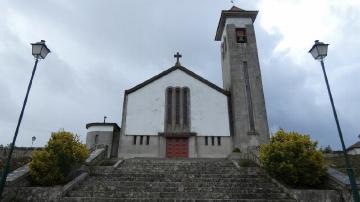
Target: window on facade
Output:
[(141, 139), (134, 140), (169, 106), (241, 35), (177, 105), (213, 140), (206, 140), (219, 140), (185, 108), (177, 108), (147, 140), (96, 139), (222, 50)]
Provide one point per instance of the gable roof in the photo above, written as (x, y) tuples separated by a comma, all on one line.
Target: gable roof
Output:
[(185, 70), (115, 125), (354, 146), (235, 8)]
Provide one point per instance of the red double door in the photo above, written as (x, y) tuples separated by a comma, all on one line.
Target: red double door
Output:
[(177, 147)]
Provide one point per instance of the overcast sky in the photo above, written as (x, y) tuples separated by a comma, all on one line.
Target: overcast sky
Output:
[(101, 48)]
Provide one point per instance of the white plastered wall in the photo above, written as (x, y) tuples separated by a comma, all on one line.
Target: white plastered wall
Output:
[(146, 107), (355, 151)]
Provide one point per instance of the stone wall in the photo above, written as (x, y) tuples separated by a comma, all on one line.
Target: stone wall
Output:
[(157, 147), (18, 152)]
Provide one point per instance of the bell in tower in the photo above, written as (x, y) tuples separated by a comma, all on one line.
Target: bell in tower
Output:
[(242, 77)]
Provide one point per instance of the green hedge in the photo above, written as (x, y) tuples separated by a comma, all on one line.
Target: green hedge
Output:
[(293, 159), (52, 165)]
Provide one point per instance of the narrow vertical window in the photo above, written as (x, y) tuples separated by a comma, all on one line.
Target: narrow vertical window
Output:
[(213, 140), (96, 139), (185, 107), (134, 140), (249, 97), (206, 140), (219, 140), (147, 140), (141, 139), (177, 106), (241, 35), (169, 106)]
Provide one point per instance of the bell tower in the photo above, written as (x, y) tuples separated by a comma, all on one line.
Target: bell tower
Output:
[(242, 77)]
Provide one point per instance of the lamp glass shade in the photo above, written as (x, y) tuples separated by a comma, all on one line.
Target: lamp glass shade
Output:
[(40, 50), (36, 49), (319, 50), (44, 51), (322, 50)]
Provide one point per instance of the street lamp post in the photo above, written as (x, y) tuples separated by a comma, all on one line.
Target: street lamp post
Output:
[(39, 51), (319, 52), (33, 140)]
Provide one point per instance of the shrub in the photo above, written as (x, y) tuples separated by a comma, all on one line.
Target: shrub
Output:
[(236, 150), (61, 155), (293, 158)]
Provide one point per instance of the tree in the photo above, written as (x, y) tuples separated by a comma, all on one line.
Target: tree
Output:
[(52, 165), (293, 159)]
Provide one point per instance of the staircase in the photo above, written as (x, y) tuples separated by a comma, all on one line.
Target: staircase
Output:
[(144, 179)]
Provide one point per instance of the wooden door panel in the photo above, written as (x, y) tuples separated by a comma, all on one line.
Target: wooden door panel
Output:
[(177, 147)]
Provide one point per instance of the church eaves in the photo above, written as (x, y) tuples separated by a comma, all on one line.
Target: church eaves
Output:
[(187, 71)]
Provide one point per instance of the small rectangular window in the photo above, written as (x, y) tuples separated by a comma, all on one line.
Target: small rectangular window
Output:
[(206, 140), (213, 141), (141, 139), (147, 140), (134, 140), (241, 35), (219, 140)]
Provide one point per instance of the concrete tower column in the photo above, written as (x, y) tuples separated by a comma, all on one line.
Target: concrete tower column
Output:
[(242, 77)]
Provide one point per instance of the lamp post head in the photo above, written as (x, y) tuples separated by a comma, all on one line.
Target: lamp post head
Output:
[(319, 50), (40, 50)]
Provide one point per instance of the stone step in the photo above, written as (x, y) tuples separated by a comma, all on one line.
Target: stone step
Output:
[(180, 167), (145, 184), (183, 160), (181, 175), (179, 179), (162, 172), (144, 179), (228, 165), (92, 182), (128, 167), (175, 195), (181, 188), (104, 199)]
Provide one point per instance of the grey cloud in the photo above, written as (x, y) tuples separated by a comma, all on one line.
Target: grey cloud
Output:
[(100, 49)]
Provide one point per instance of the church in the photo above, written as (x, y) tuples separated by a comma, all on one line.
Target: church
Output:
[(180, 114)]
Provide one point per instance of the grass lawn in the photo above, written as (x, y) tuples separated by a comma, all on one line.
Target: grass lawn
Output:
[(339, 163)]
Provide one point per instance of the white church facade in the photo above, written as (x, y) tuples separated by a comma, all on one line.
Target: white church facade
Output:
[(179, 114)]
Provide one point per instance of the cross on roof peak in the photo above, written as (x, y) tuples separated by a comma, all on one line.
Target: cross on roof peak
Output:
[(177, 56)]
